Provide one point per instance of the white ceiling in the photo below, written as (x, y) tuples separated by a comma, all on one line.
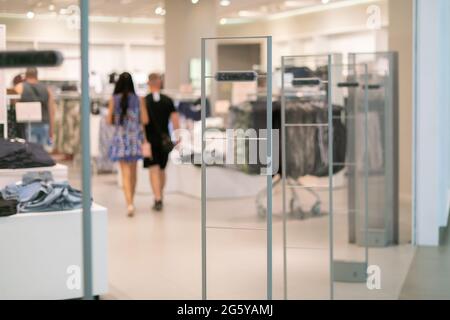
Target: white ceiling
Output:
[(146, 8)]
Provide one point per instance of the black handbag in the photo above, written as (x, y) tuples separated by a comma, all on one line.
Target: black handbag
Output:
[(166, 142)]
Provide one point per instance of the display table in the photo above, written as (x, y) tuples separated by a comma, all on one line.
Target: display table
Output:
[(186, 179), (222, 183), (10, 176), (40, 251)]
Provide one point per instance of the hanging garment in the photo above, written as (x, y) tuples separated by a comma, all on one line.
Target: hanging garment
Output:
[(307, 146), (192, 109), (375, 135), (19, 155), (253, 115), (300, 139), (15, 130), (103, 163), (306, 135), (67, 126), (374, 138)]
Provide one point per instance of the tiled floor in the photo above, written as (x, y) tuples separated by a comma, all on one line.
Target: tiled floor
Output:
[(158, 256)]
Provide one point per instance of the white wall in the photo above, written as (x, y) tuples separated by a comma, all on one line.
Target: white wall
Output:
[(141, 46), (344, 43), (339, 30), (114, 46), (185, 25)]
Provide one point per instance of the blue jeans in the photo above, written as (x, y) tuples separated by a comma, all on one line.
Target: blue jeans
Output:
[(52, 197), (38, 193), (40, 134)]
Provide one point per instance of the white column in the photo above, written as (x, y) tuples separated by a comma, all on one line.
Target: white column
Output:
[(401, 40), (431, 119), (3, 106), (185, 25)]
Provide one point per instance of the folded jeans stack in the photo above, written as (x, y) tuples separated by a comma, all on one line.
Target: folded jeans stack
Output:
[(18, 154), (7, 207), (39, 193)]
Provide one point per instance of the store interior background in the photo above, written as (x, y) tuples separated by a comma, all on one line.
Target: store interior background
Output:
[(157, 256)]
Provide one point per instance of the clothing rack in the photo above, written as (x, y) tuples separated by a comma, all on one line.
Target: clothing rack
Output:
[(251, 115), (312, 109)]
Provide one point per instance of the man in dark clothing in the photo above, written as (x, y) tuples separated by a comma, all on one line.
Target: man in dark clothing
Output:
[(161, 111), (31, 90)]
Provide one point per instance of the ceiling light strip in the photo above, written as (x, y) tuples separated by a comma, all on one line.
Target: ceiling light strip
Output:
[(319, 8), (107, 19)]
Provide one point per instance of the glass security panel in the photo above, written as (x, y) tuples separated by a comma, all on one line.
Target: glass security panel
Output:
[(235, 164), (305, 168), (349, 189), (389, 221)]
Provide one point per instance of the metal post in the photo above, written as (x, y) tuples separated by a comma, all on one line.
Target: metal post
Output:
[(366, 164), (270, 168), (283, 176), (415, 84), (330, 173), (3, 101), (86, 152), (203, 190)]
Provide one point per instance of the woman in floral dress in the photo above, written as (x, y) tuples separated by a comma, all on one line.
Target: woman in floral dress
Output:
[(128, 115)]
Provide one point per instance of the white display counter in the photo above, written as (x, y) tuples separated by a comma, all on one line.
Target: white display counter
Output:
[(9, 176), (41, 253), (186, 179), (222, 183)]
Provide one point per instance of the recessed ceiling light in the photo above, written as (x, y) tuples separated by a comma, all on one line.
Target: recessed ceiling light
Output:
[(247, 13), (293, 4), (30, 14), (159, 10), (51, 7), (194, 1), (225, 3), (325, 1), (223, 21)]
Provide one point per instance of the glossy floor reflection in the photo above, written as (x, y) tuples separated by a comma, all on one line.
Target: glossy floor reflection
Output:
[(429, 275), (158, 255)]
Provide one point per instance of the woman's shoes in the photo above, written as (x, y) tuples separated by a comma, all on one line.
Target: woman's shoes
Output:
[(158, 206), (131, 210)]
